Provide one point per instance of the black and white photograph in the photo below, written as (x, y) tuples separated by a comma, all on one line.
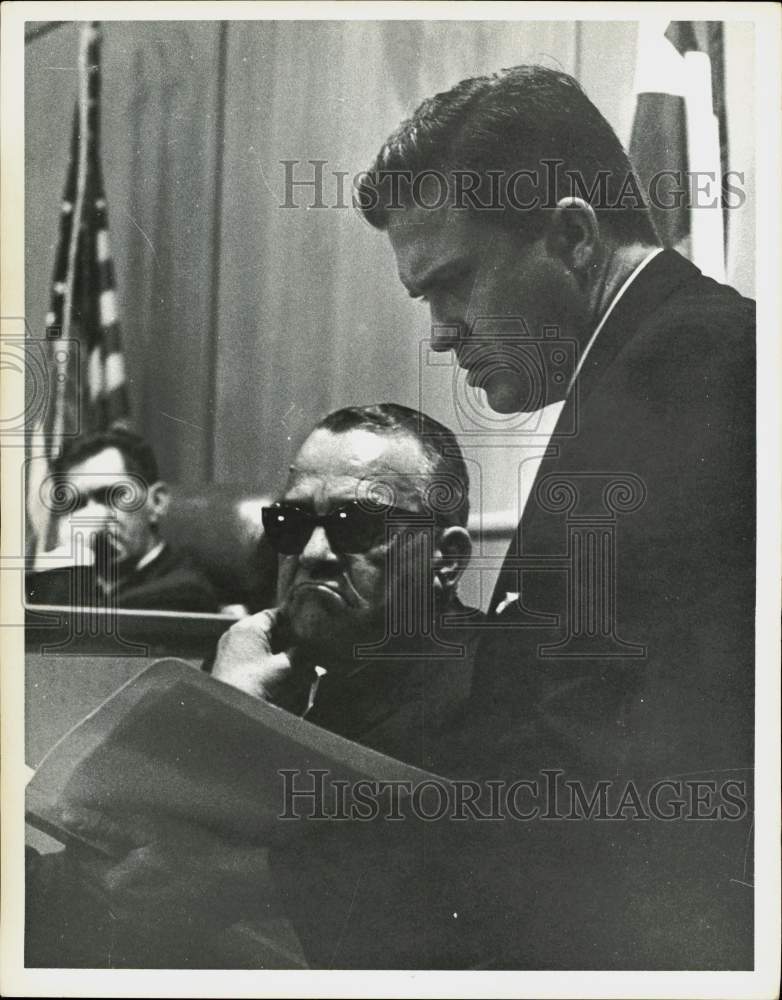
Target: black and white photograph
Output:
[(391, 530)]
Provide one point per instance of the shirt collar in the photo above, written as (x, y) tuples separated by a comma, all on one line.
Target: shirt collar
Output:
[(150, 556), (612, 305), (109, 586)]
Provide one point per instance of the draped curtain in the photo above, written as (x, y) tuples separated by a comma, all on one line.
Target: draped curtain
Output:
[(312, 314), (244, 321)]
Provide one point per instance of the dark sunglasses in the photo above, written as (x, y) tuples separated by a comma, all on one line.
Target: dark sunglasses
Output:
[(351, 528)]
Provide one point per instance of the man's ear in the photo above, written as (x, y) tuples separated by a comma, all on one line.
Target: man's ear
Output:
[(574, 233), (158, 499), (451, 556)]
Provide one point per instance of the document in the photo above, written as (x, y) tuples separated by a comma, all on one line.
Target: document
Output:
[(174, 742)]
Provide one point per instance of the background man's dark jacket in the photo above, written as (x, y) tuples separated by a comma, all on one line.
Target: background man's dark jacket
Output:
[(170, 582), (649, 508)]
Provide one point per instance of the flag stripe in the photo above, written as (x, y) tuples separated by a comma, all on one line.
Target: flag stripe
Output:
[(114, 371), (108, 308)]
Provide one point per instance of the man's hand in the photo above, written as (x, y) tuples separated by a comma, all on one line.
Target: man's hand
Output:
[(245, 660), (75, 545), (168, 875), (81, 541)]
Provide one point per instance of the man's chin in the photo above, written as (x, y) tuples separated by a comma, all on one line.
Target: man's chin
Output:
[(326, 630), (508, 391), (506, 396), (316, 613)]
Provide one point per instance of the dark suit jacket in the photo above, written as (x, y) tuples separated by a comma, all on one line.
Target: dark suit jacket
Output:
[(390, 894), (170, 582), (630, 653)]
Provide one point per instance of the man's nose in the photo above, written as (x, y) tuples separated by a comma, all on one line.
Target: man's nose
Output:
[(318, 549)]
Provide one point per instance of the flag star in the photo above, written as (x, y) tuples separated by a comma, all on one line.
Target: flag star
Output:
[(59, 287), (67, 207), (100, 202), (50, 319)]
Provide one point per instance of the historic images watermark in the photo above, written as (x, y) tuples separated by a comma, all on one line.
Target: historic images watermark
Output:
[(314, 184), (313, 795)]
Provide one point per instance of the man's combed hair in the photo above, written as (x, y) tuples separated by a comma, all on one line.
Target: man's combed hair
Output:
[(527, 118), (138, 455), (447, 493)]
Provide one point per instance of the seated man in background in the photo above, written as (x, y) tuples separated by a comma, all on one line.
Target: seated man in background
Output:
[(369, 640), (110, 554)]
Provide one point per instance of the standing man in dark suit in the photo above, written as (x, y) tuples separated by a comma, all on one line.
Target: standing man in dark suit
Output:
[(620, 643)]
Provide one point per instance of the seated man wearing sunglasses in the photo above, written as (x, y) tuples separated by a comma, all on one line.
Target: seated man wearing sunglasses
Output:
[(369, 640), (369, 636), (110, 500)]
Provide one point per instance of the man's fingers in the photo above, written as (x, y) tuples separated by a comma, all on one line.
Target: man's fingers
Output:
[(249, 636), (245, 660), (244, 654), (254, 677), (75, 543), (266, 620)]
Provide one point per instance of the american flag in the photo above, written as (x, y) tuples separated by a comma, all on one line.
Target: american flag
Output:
[(88, 389), (680, 127)]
